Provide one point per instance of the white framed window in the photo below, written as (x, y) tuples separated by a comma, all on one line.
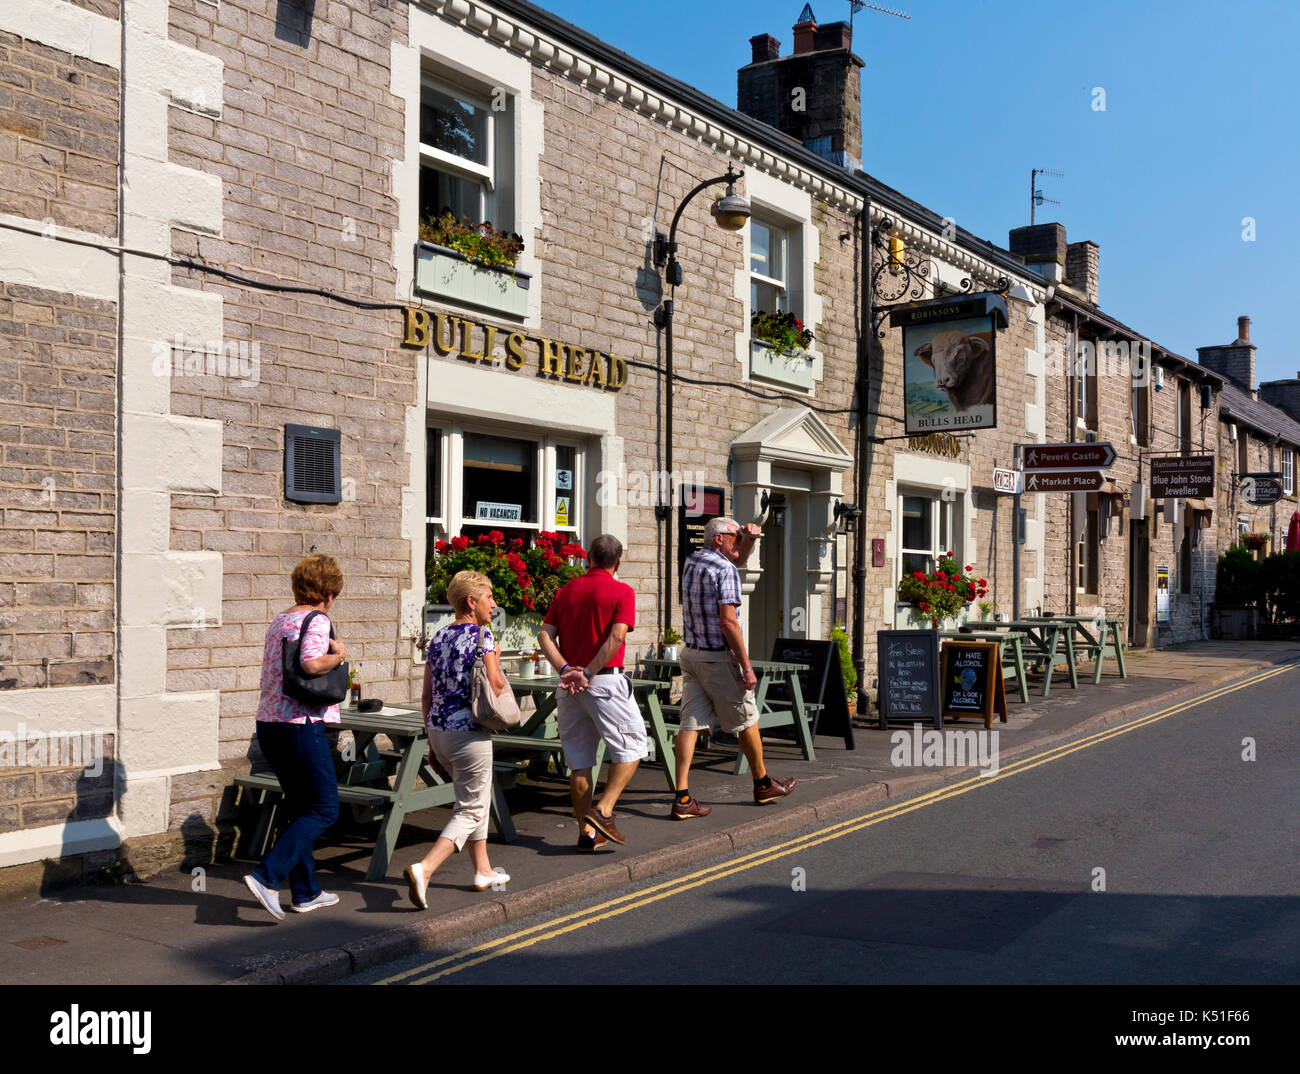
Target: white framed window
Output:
[(926, 530), (466, 143), (1288, 471), (769, 267), (482, 478), (1087, 551)]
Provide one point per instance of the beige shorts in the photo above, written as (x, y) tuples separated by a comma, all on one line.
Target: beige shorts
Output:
[(712, 692)]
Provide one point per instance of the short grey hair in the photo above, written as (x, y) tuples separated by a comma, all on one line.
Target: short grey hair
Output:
[(716, 526), (605, 551)]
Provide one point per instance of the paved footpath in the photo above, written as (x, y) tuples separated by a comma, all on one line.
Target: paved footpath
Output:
[(166, 931)]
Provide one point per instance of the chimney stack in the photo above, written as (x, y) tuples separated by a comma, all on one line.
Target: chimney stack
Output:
[(766, 47), (814, 95), (1235, 360)]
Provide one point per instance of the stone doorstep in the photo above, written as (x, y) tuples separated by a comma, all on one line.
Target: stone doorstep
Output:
[(336, 963)]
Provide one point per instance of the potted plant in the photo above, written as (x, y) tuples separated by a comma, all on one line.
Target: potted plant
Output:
[(524, 579), (778, 345), (1256, 542), (669, 641), (943, 593), (472, 263), (986, 608)]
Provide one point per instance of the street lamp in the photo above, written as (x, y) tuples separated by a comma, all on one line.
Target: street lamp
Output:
[(730, 212)]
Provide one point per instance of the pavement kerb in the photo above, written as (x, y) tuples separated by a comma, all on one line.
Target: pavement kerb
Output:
[(335, 963)]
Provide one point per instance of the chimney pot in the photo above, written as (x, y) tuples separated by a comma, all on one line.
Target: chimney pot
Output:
[(766, 47), (805, 37), (1243, 329)]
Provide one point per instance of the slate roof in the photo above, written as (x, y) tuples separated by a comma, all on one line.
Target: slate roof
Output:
[(1259, 415)]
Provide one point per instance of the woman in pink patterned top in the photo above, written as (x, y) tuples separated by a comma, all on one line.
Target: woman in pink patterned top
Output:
[(291, 734)]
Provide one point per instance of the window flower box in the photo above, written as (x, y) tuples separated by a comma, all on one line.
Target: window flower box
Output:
[(791, 368), (445, 273)]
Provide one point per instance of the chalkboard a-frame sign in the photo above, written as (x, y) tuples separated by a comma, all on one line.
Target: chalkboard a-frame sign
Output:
[(822, 684), (907, 663), (972, 680)]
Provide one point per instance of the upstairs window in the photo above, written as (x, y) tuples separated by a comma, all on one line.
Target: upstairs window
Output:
[(464, 153), (1288, 471), (769, 268)]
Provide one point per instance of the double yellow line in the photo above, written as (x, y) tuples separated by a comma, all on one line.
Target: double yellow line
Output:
[(549, 930)]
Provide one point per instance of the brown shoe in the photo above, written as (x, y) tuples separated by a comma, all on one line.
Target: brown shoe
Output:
[(777, 788), (589, 844), (690, 810), (605, 826)]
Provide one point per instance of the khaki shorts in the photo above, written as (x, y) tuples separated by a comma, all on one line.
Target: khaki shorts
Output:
[(712, 692)]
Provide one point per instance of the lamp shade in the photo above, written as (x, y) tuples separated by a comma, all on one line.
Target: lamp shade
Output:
[(731, 211)]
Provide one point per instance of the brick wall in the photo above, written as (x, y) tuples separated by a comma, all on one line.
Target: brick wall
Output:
[(58, 136), (57, 487)]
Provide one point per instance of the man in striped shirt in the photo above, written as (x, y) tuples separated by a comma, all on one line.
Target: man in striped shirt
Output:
[(717, 678)]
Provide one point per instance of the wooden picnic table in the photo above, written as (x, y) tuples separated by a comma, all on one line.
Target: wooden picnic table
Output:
[(364, 781), (1044, 636), (778, 695), (1015, 653), (1094, 641), (542, 731)]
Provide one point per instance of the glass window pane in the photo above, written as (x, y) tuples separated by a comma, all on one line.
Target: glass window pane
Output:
[(453, 125), (766, 298), (916, 561), (566, 488), (760, 238), (776, 260), (441, 192), (433, 473), (916, 522), (500, 479)]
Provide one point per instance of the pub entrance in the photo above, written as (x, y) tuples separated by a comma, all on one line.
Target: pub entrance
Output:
[(1139, 586)]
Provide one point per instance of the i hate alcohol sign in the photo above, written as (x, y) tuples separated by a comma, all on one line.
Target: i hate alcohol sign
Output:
[(1067, 456)]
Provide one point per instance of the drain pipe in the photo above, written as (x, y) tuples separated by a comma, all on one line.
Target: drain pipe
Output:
[(865, 334)]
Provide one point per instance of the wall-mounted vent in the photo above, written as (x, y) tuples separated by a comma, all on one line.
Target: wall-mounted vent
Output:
[(311, 465)]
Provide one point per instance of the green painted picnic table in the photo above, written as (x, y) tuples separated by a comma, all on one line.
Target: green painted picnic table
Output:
[(778, 695), (1044, 636), (1016, 653), (1093, 630), (364, 781), (543, 733)]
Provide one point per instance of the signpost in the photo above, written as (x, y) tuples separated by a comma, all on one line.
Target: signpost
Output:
[(1064, 481), (1053, 468), (1182, 476), (1068, 456)]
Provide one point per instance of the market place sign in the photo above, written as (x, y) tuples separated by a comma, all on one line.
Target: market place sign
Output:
[(471, 341), (950, 369)]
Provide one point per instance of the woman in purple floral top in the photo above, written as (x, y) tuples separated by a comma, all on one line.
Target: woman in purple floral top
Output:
[(461, 746)]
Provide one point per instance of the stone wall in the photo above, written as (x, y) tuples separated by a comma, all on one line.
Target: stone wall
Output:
[(58, 392), (58, 136)]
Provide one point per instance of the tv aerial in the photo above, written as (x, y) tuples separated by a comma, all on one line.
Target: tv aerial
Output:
[(1035, 195), (857, 5)]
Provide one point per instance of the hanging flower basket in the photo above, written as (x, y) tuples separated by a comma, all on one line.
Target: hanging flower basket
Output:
[(943, 593)]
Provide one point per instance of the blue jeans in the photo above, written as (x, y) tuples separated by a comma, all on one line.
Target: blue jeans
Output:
[(300, 755)]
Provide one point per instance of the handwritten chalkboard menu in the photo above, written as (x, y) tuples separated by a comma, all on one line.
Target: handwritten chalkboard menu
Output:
[(908, 666), (700, 505), (822, 684), (972, 680)]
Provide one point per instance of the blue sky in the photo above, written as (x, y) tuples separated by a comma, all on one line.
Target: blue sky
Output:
[(1200, 130)]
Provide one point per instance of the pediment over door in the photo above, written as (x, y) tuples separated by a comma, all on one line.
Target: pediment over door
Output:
[(792, 435)]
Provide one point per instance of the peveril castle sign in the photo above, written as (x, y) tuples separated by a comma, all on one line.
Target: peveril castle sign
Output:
[(471, 341)]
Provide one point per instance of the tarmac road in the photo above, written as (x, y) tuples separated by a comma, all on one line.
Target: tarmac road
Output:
[(1155, 852)]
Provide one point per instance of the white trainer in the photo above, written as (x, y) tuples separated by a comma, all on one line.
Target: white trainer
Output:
[(325, 898), (269, 899)]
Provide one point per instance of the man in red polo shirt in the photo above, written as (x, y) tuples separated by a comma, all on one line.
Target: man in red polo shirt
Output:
[(582, 636)]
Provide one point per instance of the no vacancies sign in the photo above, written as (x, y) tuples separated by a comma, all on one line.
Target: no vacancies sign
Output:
[(1176, 476)]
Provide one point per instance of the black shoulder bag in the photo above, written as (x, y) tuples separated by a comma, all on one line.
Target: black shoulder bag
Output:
[(328, 688)]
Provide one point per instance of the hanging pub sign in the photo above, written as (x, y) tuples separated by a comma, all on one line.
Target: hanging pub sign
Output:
[(950, 381), (1182, 477)]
